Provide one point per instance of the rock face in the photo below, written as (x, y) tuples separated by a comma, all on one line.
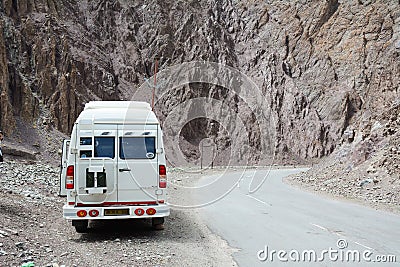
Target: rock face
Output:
[(328, 69), (324, 66)]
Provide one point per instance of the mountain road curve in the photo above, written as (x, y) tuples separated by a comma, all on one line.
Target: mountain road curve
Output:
[(281, 225)]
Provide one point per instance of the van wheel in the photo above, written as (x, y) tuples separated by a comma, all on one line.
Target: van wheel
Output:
[(81, 226), (158, 223)]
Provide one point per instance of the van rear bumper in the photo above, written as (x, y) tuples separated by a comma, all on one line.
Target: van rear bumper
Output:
[(126, 212)]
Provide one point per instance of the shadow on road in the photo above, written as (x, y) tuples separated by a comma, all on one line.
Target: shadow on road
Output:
[(179, 226), (122, 229)]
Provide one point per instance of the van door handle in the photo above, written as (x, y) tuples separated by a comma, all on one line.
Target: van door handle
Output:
[(125, 170)]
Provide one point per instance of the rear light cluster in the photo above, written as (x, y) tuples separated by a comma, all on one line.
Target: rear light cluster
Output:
[(81, 213), (95, 213), (84, 213), (151, 211), (139, 211), (69, 184), (162, 172)]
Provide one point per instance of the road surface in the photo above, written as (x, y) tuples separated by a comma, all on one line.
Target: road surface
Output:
[(280, 225)]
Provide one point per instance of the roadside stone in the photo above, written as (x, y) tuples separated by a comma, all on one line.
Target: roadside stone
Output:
[(371, 169), (3, 233), (19, 245), (366, 181)]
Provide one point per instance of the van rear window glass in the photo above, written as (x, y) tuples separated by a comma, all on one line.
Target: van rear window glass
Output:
[(137, 147), (85, 154), (85, 141), (104, 147)]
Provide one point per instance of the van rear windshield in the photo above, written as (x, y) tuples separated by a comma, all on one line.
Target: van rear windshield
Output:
[(137, 147)]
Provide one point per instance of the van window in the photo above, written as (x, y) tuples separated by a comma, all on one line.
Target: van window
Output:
[(137, 147), (85, 141), (104, 147), (85, 154)]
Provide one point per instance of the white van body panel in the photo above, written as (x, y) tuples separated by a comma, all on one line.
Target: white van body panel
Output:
[(116, 150)]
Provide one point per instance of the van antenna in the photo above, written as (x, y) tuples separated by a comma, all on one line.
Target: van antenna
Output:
[(155, 81)]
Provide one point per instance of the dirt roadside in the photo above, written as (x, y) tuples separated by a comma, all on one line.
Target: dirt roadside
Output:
[(32, 229), (331, 179)]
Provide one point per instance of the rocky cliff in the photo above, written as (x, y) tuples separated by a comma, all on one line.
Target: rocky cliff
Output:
[(329, 70)]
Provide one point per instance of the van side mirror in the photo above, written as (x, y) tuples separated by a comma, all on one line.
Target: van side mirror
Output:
[(159, 150)]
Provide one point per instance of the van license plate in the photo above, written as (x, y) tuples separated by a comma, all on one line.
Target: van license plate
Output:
[(116, 212)]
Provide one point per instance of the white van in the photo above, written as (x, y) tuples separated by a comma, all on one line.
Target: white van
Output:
[(113, 167)]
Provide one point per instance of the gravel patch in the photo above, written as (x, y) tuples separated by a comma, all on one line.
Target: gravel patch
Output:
[(366, 184)]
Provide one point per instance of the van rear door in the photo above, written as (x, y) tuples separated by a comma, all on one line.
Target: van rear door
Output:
[(137, 164), (63, 172), (95, 168)]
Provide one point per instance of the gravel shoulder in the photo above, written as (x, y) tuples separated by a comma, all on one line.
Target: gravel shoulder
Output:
[(332, 179), (32, 229)]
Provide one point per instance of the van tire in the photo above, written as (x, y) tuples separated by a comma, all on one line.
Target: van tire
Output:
[(158, 223), (81, 226)]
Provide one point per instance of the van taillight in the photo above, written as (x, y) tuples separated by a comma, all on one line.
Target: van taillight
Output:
[(69, 183), (162, 172)]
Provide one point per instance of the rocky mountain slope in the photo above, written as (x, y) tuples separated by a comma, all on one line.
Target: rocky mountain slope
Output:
[(329, 70)]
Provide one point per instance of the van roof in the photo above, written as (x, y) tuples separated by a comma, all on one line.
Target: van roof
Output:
[(117, 112), (117, 104)]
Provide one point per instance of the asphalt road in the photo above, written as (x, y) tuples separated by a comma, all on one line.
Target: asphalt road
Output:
[(280, 225)]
